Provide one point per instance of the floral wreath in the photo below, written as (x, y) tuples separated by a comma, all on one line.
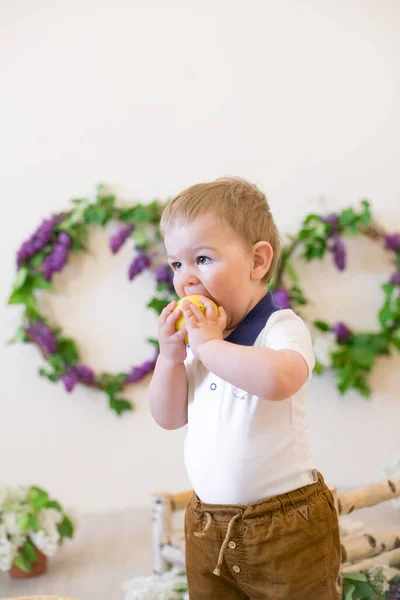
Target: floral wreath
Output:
[(350, 354), (46, 252)]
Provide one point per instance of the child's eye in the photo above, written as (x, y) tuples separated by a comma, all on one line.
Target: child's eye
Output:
[(176, 266), (203, 260)]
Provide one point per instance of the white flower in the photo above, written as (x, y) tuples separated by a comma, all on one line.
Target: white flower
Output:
[(324, 344), (379, 576), (162, 587), (10, 523), (13, 495), (48, 544), (49, 518), (8, 549)]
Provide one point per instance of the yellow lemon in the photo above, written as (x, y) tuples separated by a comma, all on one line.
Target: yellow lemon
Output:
[(194, 299)]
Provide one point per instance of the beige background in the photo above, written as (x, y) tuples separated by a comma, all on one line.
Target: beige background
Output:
[(301, 98)]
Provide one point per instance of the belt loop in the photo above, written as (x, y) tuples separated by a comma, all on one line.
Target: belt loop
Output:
[(206, 528)]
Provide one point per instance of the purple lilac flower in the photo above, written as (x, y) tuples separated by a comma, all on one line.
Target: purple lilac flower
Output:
[(36, 242), (55, 261), (392, 242), (341, 331), (394, 592), (282, 297), (164, 274), (333, 220), (119, 238), (140, 263), (43, 336), (138, 373), (84, 374), (69, 380), (338, 250), (395, 278)]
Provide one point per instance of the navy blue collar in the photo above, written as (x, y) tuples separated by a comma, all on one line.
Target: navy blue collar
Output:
[(248, 330)]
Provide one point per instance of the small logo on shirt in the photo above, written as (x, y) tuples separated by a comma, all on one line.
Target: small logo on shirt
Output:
[(238, 393), (314, 475)]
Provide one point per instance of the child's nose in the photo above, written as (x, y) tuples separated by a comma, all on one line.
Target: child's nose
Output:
[(189, 277)]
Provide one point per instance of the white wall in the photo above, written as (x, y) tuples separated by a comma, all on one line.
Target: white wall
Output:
[(300, 97)]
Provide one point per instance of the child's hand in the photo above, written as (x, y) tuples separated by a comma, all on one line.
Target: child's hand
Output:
[(202, 328), (172, 345)]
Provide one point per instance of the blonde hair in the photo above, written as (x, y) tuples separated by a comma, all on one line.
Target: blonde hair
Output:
[(235, 201)]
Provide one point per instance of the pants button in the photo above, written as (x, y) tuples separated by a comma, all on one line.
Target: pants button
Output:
[(236, 569), (232, 545)]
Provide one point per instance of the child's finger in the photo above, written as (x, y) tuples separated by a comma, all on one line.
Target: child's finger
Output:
[(168, 310), (210, 308), (222, 319), (169, 324), (181, 334), (193, 310)]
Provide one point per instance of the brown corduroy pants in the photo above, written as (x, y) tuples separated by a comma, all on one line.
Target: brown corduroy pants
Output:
[(283, 548)]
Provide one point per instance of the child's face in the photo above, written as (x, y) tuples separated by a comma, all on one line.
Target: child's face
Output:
[(209, 258)]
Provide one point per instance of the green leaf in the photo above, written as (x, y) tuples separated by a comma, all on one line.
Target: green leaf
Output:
[(56, 360), (365, 216), (55, 505), (348, 590), (20, 336), (319, 368), (23, 522), (322, 325), (312, 217), (366, 204), (396, 342), (66, 347), (22, 276), (154, 342), (290, 271), (346, 377), (314, 250), (137, 214), (38, 497), (363, 357), (378, 343), (355, 577), (23, 294), (40, 283), (362, 386), (119, 405), (95, 215), (37, 260), (50, 376), (32, 309), (141, 240), (33, 522), (65, 528), (111, 383), (348, 217), (162, 287), (158, 304), (29, 552), (22, 563)]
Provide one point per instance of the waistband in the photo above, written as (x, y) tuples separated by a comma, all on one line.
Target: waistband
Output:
[(287, 502)]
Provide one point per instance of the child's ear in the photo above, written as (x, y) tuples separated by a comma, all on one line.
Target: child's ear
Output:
[(262, 253)]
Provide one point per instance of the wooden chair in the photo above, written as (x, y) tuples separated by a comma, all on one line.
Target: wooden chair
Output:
[(358, 551)]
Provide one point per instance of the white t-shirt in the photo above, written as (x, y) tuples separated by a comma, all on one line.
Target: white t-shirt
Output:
[(240, 448)]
